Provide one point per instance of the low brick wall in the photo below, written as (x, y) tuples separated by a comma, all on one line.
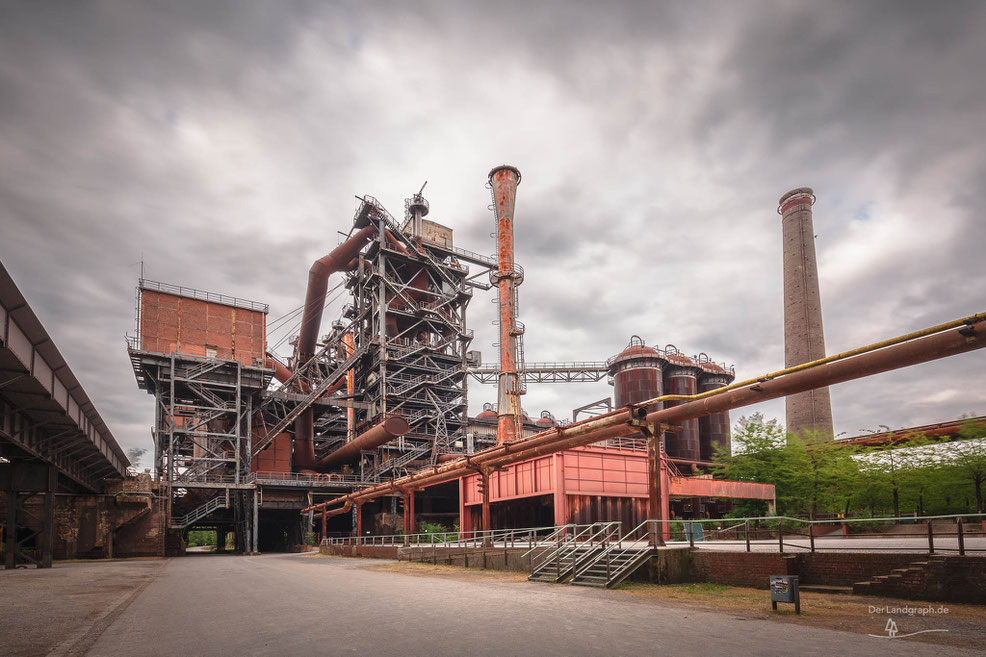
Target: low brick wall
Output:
[(845, 569), (740, 568), (669, 566), (955, 579), (938, 578)]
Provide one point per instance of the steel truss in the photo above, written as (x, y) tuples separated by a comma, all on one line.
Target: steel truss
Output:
[(409, 319), (204, 409), (575, 372)]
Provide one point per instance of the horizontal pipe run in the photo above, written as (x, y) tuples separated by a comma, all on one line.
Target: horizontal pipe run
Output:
[(866, 361), (382, 433)]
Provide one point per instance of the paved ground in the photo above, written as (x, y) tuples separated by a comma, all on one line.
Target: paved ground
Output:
[(314, 605)]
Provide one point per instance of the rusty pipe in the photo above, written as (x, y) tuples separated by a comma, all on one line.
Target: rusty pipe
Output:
[(338, 259), (281, 372), (388, 429), (318, 282), (345, 508), (896, 356)]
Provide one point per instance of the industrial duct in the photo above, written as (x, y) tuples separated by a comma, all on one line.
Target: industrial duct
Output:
[(382, 433), (311, 320)]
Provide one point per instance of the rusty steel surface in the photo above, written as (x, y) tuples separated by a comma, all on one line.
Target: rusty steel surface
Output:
[(504, 180), (682, 380), (618, 423), (311, 319), (713, 430), (318, 281), (384, 432), (702, 487)]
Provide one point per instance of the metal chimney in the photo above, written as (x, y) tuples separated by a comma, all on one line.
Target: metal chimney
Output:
[(804, 340), (503, 181)]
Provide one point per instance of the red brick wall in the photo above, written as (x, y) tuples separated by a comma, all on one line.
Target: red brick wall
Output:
[(276, 457), (171, 323), (845, 569), (740, 568), (824, 568)]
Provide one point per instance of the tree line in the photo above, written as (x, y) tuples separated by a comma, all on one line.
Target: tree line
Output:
[(815, 476)]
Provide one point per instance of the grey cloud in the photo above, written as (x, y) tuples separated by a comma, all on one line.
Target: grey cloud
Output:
[(224, 141)]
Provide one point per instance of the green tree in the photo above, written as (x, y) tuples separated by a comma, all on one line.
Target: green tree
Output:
[(968, 456), (904, 466), (826, 470), (763, 455)]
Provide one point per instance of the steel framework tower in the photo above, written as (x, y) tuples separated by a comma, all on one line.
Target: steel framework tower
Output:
[(408, 320)]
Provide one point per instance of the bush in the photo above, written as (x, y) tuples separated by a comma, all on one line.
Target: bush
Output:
[(438, 533)]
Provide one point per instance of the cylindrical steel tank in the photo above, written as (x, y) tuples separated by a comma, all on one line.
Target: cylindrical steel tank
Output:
[(681, 378), (546, 421), (636, 373), (713, 430)]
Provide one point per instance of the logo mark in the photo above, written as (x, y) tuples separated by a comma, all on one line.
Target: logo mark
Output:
[(893, 633)]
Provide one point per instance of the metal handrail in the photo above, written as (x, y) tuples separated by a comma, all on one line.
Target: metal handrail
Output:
[(573, 543), (571, 536), (457, 537), (617, 545)]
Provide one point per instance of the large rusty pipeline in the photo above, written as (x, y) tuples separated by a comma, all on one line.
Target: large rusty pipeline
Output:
[(858, 363), (503, 181), (340, 259), (382, 433), (318, 283)]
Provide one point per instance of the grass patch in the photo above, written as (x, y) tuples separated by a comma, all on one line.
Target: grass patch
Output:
[(706, 588)]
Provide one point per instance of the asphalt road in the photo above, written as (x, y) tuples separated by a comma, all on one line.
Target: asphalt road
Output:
[(313, 605)]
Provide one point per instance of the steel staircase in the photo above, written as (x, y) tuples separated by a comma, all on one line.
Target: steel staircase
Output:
[(199, 512), (576, 545), (398, 462), (608, 567), (316, 392)]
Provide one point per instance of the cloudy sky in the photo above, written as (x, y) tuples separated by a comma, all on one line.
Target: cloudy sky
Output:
[(223, 143)]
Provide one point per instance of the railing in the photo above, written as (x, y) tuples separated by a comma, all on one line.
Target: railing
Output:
[(190, 478), (759, 533), (922, 534), (582, 536), (192, 293), (502, 538), (302, 479), (220, 501)]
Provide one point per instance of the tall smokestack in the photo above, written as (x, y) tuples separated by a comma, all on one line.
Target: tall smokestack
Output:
[(503, 181), (804, 340)]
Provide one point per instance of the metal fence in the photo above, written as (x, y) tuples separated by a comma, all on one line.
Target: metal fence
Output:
[(946, 534)]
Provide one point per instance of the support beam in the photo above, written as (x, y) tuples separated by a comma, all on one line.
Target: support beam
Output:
[(485, 482)]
